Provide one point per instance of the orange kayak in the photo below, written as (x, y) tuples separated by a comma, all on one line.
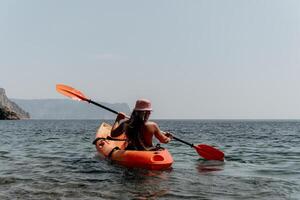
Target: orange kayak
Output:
[(114, 149)]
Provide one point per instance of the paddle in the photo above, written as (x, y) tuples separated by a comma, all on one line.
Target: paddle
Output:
[(204, 150), (77, 95)]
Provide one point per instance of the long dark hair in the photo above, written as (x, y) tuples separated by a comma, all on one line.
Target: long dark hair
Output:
[(134, 130)]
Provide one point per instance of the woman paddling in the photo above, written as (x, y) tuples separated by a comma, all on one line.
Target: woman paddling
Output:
[(138, 129)]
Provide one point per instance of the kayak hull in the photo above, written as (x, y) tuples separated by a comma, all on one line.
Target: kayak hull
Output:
[(115, 150)]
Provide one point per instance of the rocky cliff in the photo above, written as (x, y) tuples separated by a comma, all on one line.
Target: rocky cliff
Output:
[(9, 109)]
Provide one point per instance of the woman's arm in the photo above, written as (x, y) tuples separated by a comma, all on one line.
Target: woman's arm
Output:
[(118, 127), (160, 135)]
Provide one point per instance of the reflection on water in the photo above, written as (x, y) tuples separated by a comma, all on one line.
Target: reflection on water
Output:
[(138, 183), (205, 166), (146, 184)]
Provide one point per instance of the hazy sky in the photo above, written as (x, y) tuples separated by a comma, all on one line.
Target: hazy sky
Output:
[(193, 59)]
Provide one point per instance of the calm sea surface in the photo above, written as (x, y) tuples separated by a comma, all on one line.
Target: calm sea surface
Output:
[(41, 159)]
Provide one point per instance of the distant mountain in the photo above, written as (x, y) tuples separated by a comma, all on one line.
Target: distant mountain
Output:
[(9, 109), (68, 109)]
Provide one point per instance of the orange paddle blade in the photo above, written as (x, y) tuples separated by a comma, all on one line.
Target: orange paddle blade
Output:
[(70, 92), (209, 152)]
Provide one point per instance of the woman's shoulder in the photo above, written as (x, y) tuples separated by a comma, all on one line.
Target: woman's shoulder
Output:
[(151, 123)]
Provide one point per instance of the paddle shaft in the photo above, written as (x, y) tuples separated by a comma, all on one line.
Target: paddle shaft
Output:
[(113, 111), (97, 104), (191, 145)]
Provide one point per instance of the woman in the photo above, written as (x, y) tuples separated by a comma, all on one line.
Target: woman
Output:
[(138, 129)]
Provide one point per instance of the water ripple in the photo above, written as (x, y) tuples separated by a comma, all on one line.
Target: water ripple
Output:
[(52, 159)]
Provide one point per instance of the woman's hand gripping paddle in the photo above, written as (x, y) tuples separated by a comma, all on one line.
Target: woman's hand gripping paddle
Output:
[(204, 150)]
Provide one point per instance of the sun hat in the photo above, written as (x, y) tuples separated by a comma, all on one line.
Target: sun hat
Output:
[(143, 105)]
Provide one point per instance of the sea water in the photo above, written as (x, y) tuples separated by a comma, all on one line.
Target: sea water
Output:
[(55, 159)]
